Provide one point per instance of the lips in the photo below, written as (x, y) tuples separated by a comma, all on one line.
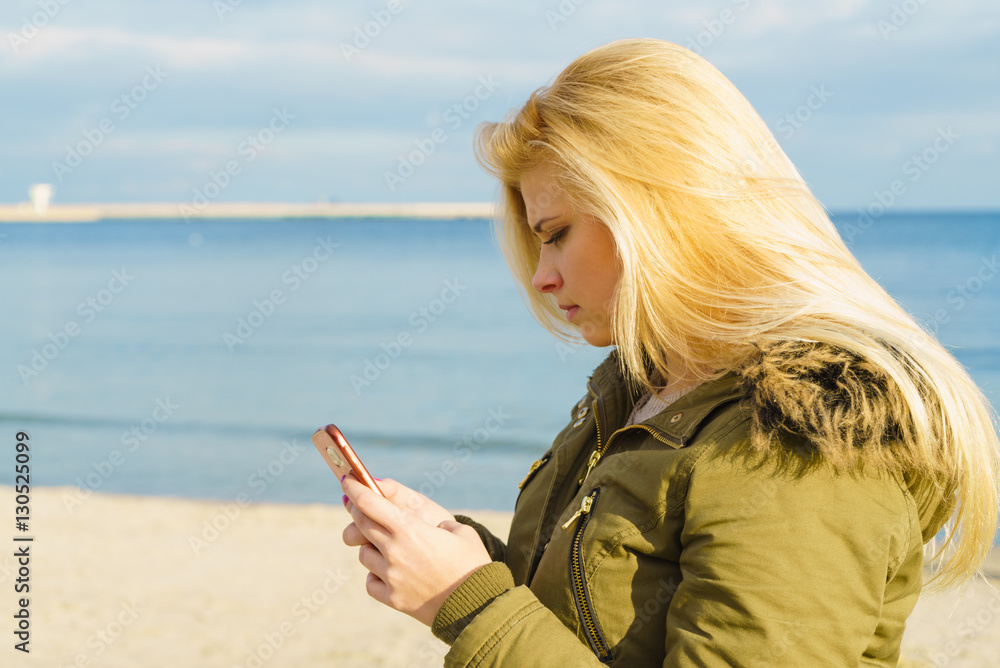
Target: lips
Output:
[(570, 311)]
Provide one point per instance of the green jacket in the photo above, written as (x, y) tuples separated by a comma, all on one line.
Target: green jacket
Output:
[(679, 549)]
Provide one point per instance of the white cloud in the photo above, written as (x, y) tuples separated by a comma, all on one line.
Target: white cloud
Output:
[(890, 93), (57, 44)]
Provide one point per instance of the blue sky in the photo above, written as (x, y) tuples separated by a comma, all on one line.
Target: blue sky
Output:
[(293, 101)]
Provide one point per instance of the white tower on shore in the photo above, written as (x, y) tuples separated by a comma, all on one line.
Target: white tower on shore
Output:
[(40, 194)]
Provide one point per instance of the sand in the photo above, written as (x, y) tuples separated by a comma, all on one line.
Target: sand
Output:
[(149, 582)]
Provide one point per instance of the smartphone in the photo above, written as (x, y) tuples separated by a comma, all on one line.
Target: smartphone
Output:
[(341, 458)]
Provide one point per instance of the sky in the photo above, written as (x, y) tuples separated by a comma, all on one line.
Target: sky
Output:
[(306, 101)]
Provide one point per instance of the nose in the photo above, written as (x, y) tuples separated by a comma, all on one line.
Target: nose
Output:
[(547, 277)]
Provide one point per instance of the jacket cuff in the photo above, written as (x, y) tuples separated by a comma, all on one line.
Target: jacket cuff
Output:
[(493, 545), (474, 594)]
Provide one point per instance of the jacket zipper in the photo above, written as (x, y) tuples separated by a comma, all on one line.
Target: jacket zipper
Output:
[(581, 594), (602, 448), (598, 452), (537, 464)]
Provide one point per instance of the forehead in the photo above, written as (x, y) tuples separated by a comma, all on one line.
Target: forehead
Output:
[(541, 194)]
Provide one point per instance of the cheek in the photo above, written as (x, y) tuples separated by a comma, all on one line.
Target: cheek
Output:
[(607, 280), (603, 263)]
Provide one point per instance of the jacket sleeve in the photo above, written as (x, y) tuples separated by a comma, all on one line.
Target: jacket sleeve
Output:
[(787, 570), (490, 622), (496, 547)]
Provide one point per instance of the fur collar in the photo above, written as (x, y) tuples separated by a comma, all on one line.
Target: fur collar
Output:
[(812, 402), (847, 408)]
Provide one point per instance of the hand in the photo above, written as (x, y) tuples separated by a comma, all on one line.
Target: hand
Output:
[(402, 497), (413, 565)]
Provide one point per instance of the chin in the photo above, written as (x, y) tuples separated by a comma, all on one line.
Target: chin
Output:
[(599, 337)]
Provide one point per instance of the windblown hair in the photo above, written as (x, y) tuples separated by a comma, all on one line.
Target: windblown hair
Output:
[(726, 256)]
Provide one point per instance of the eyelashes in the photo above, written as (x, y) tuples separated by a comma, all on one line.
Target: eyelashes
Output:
[(554, 238)]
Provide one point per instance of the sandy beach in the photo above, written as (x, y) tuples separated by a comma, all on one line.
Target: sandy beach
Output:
[(122, 581)]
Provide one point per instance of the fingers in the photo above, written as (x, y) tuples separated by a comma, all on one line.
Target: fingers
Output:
[(376, 564), (412, 501), (377, 589), (415, 502), (370, 504), (353, 536), (401, 495), (372, 560), (389, 487), (416, 566), (370, 530), (464, 532), (459, 529)]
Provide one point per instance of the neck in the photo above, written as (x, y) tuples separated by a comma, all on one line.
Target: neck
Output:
[(674, 391)]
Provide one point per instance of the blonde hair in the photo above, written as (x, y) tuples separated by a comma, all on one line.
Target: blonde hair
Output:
[(725, 250)]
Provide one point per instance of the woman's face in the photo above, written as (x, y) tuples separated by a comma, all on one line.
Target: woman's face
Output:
[(578, 263)]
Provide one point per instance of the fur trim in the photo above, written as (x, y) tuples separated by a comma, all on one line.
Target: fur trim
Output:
[(846, 408)]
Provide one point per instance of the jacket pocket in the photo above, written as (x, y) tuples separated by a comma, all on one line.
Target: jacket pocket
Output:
[(581, 592), (536, 466)]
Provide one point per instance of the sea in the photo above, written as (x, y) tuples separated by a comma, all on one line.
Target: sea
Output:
[(195, 359)]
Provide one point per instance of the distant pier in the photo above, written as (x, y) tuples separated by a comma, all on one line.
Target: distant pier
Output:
[(82, 213)]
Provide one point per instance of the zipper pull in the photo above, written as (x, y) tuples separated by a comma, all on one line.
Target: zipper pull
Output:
[(534, 467), (594, 458), (588, 501)]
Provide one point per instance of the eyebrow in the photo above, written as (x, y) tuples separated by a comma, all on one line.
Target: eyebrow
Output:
[(538, 224)]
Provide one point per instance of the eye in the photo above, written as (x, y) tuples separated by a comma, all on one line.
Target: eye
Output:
[(555, 237)]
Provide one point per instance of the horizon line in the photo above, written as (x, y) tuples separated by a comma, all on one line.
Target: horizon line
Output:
[(31, 212), (91, 212)]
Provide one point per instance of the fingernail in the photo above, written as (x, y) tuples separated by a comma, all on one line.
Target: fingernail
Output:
[(342, 477), (378, 479), (344, 499)]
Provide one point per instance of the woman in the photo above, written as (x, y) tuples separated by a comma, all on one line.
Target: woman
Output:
[(755, 469)]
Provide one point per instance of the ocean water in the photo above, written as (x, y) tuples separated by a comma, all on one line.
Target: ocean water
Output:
[(196, 359)]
